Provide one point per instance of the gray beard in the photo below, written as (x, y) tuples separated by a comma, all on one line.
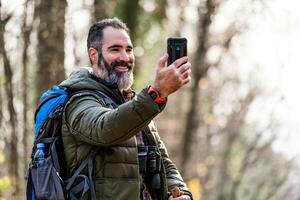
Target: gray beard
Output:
[(123, 80)]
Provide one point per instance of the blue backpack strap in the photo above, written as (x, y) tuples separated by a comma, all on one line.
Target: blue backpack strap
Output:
[(51, 103), (43, 102)]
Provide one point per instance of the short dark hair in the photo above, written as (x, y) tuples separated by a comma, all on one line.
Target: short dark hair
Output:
[(96, 31)]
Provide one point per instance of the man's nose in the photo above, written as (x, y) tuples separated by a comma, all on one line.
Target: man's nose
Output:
[(124, 56)]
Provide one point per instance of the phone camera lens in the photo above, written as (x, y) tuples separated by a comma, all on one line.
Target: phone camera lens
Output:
[(177, 48)]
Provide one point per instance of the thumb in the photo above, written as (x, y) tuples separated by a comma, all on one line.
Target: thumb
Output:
[(162, 61)]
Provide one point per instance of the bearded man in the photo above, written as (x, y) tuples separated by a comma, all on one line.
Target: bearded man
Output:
[(131, 160)]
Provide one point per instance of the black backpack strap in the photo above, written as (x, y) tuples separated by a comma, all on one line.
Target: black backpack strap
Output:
[(54, 155), (86, 183), (45, 140), (82, 187), (71, 180), (29, 187), (108, 101), (90, 173)]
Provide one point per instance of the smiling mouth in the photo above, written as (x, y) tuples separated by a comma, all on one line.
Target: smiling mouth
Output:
[(121, 69), (121, 66)]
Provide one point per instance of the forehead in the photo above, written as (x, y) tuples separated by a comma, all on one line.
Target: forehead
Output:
[(113, 36)]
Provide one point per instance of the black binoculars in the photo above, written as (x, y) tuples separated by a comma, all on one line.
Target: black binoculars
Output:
[(149, 160)]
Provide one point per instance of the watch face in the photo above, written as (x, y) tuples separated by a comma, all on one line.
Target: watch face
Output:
[(153, 95)]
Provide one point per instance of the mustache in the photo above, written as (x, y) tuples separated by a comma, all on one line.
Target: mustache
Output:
[(122, 63)]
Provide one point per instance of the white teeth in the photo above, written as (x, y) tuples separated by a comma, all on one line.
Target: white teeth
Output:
[(121, 68)]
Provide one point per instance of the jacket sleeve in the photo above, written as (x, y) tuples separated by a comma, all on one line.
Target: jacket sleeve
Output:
[(173, 176), (90, 121)]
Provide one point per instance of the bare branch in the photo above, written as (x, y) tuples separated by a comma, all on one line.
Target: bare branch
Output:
[(245, 163)]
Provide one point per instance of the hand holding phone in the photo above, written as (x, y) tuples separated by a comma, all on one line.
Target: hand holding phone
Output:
[(169, 79)]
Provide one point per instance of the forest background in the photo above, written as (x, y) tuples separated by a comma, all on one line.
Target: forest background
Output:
[(232, 132)]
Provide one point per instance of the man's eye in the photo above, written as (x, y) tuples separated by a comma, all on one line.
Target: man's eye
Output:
[(114, 49), (129, 50)]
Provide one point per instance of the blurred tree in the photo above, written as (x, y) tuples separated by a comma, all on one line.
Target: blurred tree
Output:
[(227, 156), (26, 30), (182, 4), (50, 54), (206, 40), (102, 9), (130, 12), (11, 140), (234, 127), (206, 11), (235, 158), (1, 104)]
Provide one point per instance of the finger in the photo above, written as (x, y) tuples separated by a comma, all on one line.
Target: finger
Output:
[(186, 73), (180, 61), (186, 80), (162, 61), (183, 68)]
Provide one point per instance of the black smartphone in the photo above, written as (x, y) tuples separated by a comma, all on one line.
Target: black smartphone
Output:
[(176, 48)]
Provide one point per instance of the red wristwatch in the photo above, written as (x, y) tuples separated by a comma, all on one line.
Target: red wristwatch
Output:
[(154, 94)]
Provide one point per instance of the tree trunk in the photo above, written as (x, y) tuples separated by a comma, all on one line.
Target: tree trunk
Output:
[(12, 141), (26, 30), (161, 8), (182, 4), (101, 9), (231, 136), (129, 14), (51, 38), (1, 107), (199, 71)]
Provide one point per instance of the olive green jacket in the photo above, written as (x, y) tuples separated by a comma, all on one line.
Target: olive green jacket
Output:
[(88, 123)]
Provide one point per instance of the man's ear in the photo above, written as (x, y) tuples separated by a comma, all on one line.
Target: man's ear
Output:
[(93, 55)]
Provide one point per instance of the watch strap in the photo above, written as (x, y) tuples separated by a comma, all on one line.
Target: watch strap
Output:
[(156, 96)]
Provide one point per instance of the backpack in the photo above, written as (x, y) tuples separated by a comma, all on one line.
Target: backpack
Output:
[(48, 178)]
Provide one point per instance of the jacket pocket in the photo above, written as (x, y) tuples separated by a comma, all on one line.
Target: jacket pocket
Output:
[(120, 170), (117, 189), (46, 182)]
